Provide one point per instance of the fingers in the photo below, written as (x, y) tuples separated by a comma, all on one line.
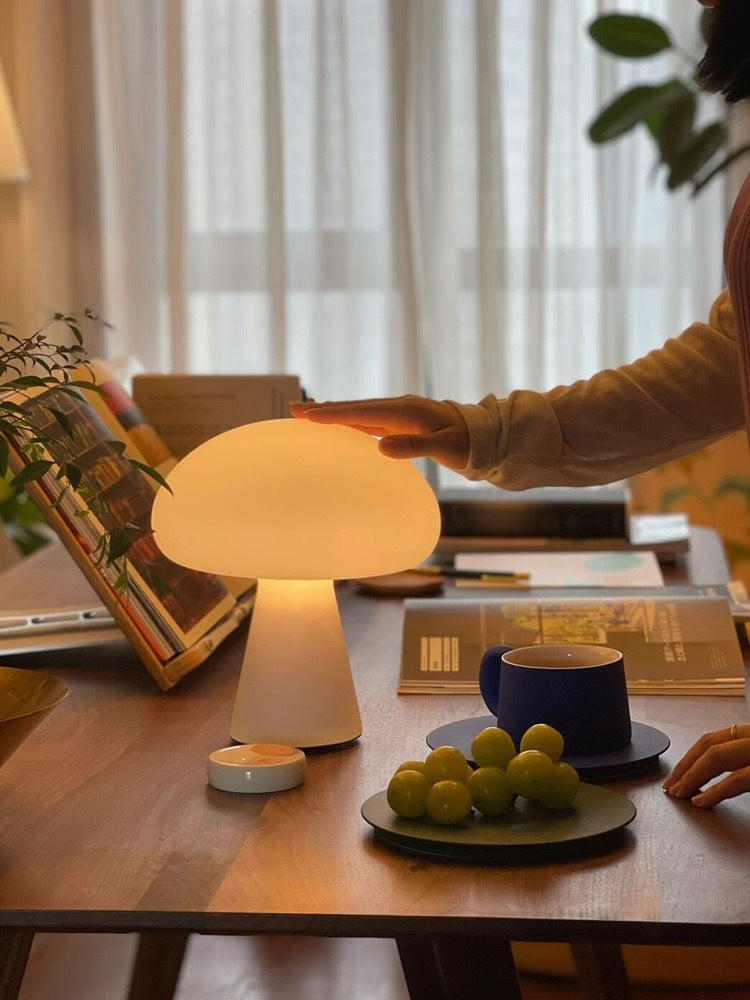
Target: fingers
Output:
[(406, 445), (401, 414), (408, 426), (699, 748), (712, 755), (376, 417), (734, 784), (446, 446), (694, 753)]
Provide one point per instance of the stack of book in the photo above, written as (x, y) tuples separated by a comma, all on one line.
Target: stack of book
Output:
[(564, 518)]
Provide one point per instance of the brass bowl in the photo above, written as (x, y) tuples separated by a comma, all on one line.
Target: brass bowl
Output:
[(26, 697)]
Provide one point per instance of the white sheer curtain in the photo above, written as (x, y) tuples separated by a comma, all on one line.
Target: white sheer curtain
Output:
[(387, 196)]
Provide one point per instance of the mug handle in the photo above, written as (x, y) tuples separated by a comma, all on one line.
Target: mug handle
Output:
[(489, 675)]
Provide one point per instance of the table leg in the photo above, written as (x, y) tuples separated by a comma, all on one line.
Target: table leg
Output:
[(157, 965), (601, 971), (454, 966), (14, 952)]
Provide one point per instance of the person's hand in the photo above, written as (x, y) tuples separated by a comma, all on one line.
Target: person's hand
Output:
[(408, 426), (725, 751)]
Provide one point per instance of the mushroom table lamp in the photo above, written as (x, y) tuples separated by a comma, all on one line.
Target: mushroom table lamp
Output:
[(295, 505)]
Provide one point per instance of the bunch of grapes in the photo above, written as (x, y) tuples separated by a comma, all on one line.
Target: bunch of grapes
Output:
[(446, 788)]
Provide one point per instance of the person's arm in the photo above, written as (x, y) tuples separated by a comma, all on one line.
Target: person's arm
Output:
[(613, 425), (675, 400), (725, 751)]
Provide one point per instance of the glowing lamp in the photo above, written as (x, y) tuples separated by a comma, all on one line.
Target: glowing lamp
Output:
[(296, 505)]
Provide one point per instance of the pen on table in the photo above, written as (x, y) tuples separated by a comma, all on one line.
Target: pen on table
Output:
[(470, 574)]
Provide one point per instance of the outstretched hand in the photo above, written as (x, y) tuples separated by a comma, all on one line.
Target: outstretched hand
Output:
[(725, 751), (408, 426)]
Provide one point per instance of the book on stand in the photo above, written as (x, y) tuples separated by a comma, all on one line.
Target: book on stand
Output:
[(172, 616)]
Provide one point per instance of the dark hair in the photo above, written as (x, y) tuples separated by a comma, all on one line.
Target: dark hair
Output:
[(725, 68)]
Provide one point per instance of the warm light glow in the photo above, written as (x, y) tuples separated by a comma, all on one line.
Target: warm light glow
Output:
[(13, 165), (289, 499), (296, 505)]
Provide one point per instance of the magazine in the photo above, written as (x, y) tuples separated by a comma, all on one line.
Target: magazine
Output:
[(672, 643)]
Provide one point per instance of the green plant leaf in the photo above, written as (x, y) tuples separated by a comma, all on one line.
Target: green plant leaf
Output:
[(119, 543), (12, 407), (672, 125), (29, 380), (82, 384), (4, 455), (734, 484), (157, 477), (629, 35), (696, 154), (73, 474), (672, 495), (63, 420), (638, 103), (117, 446), (31, 472), (121, 583)]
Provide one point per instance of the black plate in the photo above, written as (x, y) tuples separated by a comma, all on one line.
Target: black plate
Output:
[(530, 832), (641, 754)]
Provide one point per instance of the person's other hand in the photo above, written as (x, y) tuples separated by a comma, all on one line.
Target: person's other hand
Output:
[(408, 426), (725, 751)]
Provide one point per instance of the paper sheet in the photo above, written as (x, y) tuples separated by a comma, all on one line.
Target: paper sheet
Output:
[(569, 569)]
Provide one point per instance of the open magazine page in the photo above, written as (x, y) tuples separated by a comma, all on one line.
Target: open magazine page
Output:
[(186, 603), (118, 410), (143, 614), (671, 644)]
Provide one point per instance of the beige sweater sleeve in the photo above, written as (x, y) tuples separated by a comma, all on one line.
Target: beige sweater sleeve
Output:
[(619, 422)]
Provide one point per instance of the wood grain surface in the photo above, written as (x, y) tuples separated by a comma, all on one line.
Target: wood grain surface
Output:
[(108, 823)]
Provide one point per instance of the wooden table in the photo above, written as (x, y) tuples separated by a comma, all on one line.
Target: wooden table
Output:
[(107, 823)]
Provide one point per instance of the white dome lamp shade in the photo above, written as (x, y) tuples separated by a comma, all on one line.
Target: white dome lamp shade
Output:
[(296, 505)]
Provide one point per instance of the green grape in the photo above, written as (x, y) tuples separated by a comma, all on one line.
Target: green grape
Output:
[(407, 793), (490, 792), (531, 774), (545, 738), (565, 784), (446, 763), (493, 747), (448, 801), (411, 765)]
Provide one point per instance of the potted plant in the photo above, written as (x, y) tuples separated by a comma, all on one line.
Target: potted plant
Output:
[(29, 366), (691, 149)]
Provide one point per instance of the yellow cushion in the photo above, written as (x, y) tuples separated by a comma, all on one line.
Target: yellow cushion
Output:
[(665, 965)]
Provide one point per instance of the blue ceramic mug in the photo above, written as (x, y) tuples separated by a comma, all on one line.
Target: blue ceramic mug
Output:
[(578, 689)]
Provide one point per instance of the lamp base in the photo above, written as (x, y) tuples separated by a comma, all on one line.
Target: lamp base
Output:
[(329, 747), (296, 685)]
